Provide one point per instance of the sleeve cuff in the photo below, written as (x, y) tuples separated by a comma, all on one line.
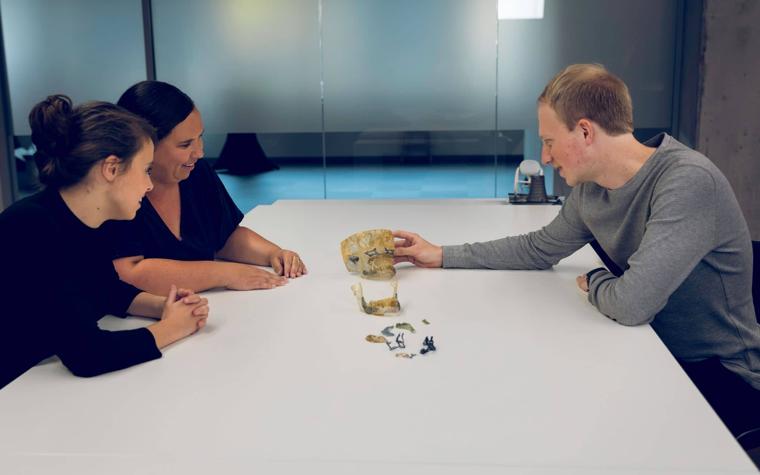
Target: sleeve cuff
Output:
[(152, 351), (592, 272), (453, 257), (125, 295)]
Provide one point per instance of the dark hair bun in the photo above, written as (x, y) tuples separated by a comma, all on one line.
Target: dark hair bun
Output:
[(50, 121), (71, 140)]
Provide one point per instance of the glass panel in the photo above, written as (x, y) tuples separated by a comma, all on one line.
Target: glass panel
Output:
[(635, 40), (252, 67), (409, 98), (86, 49)]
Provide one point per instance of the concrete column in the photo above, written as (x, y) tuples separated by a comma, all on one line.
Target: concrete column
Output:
[(728, 125)]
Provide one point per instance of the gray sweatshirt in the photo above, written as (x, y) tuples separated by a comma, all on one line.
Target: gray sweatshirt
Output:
[(678, 233)]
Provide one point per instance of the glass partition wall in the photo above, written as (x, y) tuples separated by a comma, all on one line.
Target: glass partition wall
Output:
[(253, 69), (86, 49), (313, 99), (409, 98)]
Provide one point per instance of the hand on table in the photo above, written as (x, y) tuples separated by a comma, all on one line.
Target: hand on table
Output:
[(181, 317), (412, 248), (188, 297), (582, 282), (287, 263), (248, 277)]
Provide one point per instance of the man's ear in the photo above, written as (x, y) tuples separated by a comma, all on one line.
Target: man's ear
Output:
[(588, 130), (110, 167)]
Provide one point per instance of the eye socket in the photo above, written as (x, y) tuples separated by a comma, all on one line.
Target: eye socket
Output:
[(372, 253)]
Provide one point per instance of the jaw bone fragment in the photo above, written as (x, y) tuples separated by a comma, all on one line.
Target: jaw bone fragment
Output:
[(380, 307)]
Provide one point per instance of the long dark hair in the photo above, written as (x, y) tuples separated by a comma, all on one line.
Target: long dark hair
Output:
[(160, 103), (71, 140)]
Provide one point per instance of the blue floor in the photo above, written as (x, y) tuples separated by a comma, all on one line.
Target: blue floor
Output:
[(372, 182)]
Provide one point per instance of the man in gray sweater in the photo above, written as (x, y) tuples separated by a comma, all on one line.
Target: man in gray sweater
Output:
[(680, 249)]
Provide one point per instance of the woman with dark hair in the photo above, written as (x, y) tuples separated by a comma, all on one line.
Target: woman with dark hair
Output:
[(58, 279), (188, 231)]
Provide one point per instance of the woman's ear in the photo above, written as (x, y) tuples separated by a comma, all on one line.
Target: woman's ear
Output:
[(110, 168)]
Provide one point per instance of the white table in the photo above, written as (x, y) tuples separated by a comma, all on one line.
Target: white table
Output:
[(528, 376)]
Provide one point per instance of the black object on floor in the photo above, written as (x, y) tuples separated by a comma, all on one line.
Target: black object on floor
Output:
[(522, 199), (242, 155)]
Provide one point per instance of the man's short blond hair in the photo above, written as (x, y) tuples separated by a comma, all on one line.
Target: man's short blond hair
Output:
[(589, 91)]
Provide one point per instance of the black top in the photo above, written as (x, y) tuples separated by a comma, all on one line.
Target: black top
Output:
[(56, 283), (208, 217)]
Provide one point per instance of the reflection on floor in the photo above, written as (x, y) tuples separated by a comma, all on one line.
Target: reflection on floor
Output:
[(372, 182)]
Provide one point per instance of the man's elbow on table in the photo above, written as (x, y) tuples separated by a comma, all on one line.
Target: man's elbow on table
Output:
[(629, 314), (632, 319), (628, 311)]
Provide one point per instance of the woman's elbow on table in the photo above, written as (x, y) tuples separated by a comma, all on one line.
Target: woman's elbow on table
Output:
[(80, 367), (128, 269)]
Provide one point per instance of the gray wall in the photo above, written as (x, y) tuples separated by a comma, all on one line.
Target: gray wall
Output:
[(728, 128)]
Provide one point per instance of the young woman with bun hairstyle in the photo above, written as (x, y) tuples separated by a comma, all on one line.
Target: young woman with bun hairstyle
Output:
[(188, 230), (58, 279)]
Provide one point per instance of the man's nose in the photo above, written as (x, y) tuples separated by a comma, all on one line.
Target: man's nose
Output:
[(546, 157)]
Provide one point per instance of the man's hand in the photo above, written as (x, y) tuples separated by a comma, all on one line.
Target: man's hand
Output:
[(287, 264), (412, 248), (582, 282)]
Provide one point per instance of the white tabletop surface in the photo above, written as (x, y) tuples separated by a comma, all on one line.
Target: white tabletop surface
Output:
[(528, 376), (386, 202)]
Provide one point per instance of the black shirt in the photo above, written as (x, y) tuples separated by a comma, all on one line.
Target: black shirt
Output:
[(57, 281), (208, 217)]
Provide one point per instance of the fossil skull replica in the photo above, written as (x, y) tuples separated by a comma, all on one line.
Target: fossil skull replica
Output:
[(370, 254)]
